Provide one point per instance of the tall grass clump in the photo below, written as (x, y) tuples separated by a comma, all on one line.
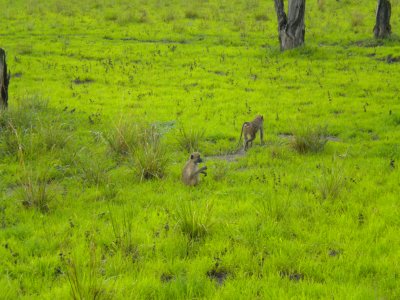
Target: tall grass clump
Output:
[(53, 136), (28, 111), (123, 234), (193, 220), (331, 182), (10, 137), (35, 191), (321, 5), (151, 157), (123, 138), (357, 19), (189, 141), (84, 274), (93, 169), (308, 139)]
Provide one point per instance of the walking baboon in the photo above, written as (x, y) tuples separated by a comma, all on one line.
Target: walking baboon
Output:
[(249, 129), (191, 172)]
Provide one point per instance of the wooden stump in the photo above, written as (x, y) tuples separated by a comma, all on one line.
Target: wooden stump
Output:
[(382, 27), (291, 29), (4, 80)]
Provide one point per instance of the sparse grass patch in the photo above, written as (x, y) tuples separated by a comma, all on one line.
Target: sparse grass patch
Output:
[(194, 220), (309, 139)]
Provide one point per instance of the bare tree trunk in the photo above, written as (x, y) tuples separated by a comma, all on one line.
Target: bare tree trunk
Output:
[(291, 29), (4, 80), (382, 27)]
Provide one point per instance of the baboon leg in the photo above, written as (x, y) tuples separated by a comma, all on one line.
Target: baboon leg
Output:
[(262, 135), (250, 141), (245, 139)]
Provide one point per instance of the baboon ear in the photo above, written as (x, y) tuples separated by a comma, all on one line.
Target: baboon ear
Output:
[(191, 156)]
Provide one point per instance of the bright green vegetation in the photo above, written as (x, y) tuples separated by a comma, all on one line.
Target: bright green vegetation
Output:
[(106, 99)]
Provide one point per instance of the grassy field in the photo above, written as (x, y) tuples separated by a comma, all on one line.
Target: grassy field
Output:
[(107, 100)]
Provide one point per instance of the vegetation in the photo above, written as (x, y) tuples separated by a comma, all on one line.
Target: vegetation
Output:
[(107, 98)]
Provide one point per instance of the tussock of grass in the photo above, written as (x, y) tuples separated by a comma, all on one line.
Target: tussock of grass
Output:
[(331, 182), (124, 235), (151, 158), (123, 138), (34, 191), (357, 19), (189, 141), (92, 168), (53, 137), (321, 5), (10, 138), (309, 139), (84, 274), (191, 14), (194, 220)]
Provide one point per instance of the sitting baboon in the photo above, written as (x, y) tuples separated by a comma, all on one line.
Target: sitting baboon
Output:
[(191, 172), (249, 131)]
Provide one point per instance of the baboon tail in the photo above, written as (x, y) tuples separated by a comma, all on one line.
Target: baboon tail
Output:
[(241, 133)]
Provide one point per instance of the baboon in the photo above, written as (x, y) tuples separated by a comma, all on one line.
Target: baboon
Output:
[(191, 172), (249, 129)]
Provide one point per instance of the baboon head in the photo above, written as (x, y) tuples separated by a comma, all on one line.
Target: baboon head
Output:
[(195, 157)]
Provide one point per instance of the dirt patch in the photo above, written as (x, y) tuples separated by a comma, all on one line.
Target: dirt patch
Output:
[(229, 157), (163, 41), (368, 43), (218, 275), (290, 136), (390, 59), (82, 81), (294, 276), (334, 252), (165, 277), (16, 75)]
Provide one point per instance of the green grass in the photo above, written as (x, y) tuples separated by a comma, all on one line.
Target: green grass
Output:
[(106, 100)]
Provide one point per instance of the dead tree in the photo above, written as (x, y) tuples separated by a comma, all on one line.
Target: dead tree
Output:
[(4, 80), (382, 27), (291, 28)]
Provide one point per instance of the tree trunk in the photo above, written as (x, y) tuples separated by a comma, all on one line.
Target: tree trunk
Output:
[(291, 29), (4, 80), (382, 27)]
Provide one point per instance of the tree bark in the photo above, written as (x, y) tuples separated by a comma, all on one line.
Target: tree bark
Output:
[(382, 27), (291, 29), (4, 80)]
